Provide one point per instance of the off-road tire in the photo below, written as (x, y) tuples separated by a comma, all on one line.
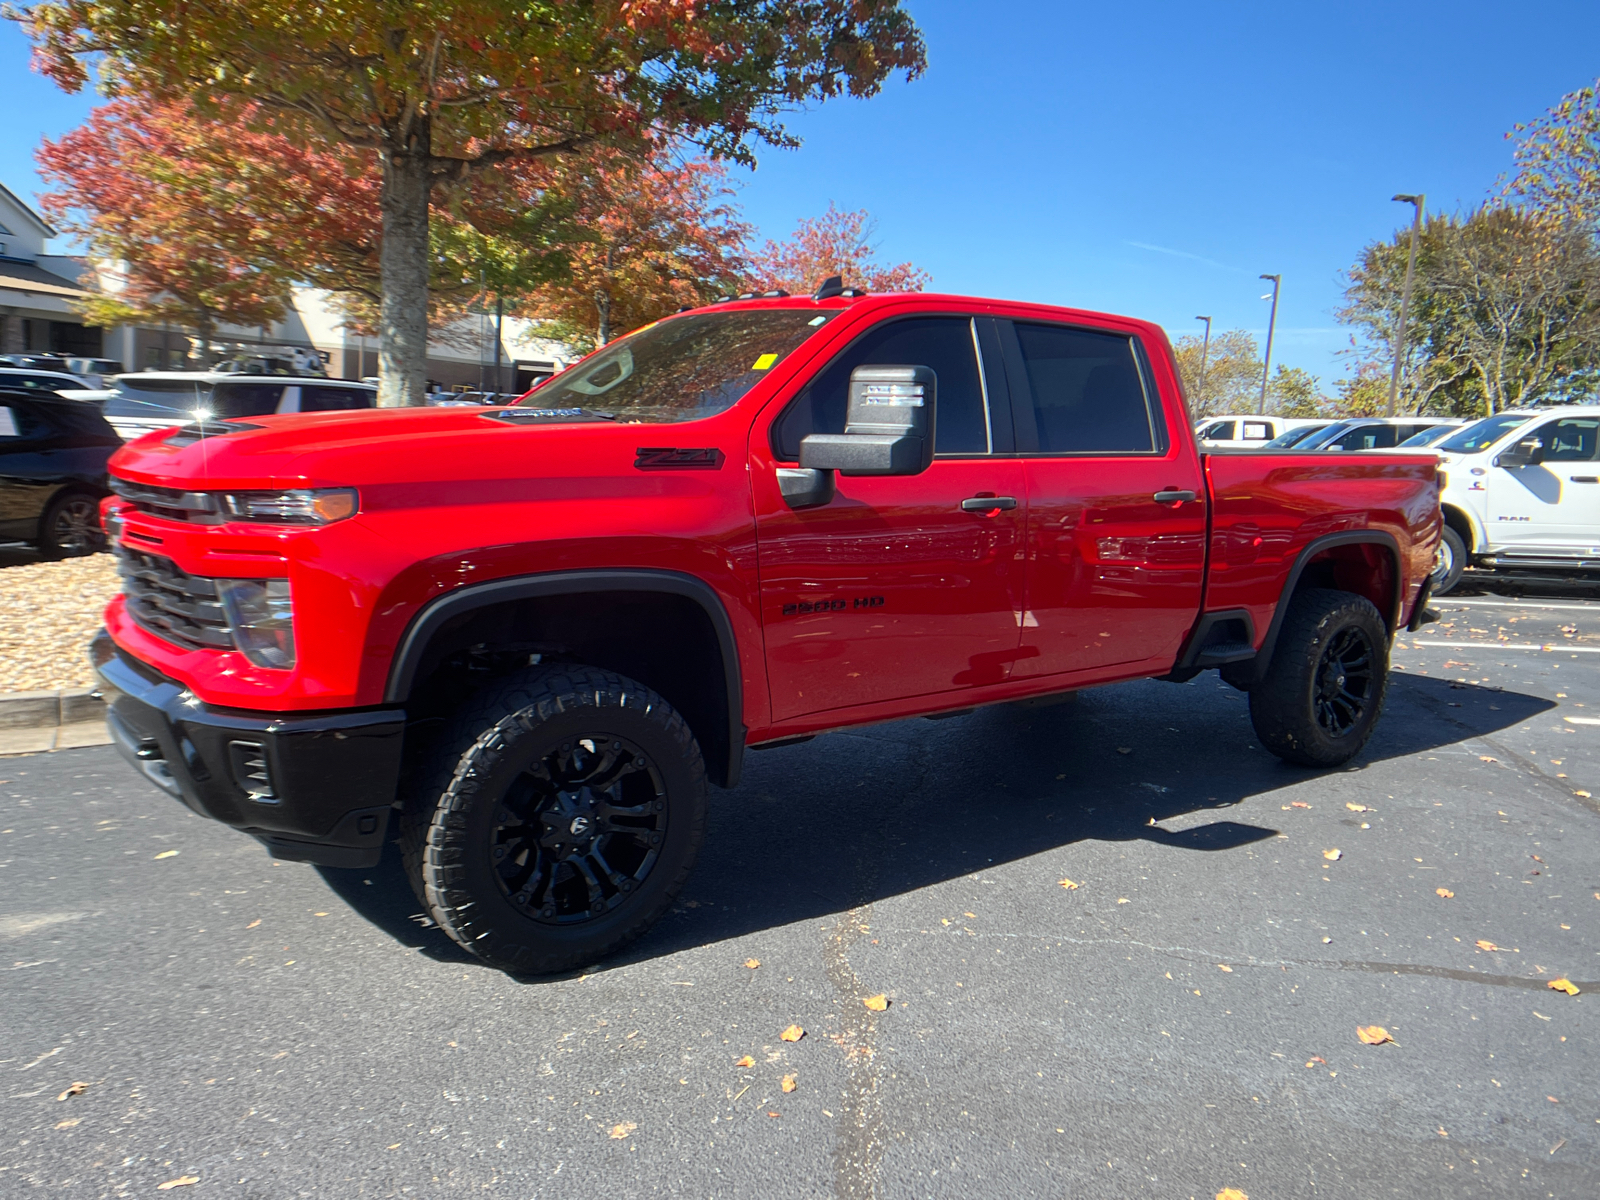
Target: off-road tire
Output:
[(1297, 710), (70, 527), (1452, 561), (456, 807)]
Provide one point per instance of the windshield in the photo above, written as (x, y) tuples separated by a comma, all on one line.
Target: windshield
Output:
[(162, 399), (680, 369), (1428, 436), (1484, 434), (1294, 437)]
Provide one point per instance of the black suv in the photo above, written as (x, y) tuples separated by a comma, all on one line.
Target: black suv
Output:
[(53, 456)]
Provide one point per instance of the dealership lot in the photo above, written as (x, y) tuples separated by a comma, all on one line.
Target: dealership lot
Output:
[(1181, 1021)]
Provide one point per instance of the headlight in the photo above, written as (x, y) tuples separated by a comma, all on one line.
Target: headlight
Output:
[(262, 617), (301, 506)]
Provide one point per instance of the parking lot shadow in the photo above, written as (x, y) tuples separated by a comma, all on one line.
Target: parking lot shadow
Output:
[(822, 827)]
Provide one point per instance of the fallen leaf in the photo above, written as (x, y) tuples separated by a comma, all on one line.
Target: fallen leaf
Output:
[(77, 1089), (181, 1180), (974, 916), (746, 1061), (877, 1003), (788, 1083), (1317, 1058), (1231, 1194), (1552, 1100), (1563, 985), (1333, 855), (1069, 885), (1298, 804), (1122, 900), (792, 1034), (168, 854), (1558, 1145), (1374, 1035), (944, 920), (752, 963), (1585, 795), (1487, 758), (1483, 945), (69, 1122), (254, 923), (618, 1132), (771, 1113), (1124, 749), (1444, 893), (1225, 967), (1356, 807)]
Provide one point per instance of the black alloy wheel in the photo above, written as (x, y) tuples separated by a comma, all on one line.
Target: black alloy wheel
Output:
[(71, 527), (1324, 687), (580, 829), (1344, 681), (555, 819)]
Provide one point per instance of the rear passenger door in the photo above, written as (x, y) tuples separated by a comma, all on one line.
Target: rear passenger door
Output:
[(1116, 502)]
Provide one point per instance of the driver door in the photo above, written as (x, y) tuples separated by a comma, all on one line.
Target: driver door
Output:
[(893, 588), (1550, 506)]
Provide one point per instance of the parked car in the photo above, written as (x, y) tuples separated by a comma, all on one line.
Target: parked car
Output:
[(1521, 492), (53, 456), (1432, 437), (97, 371), (740, 526), (29, 380), (35, 362), (1371, 433), (1247, 432), (149, 400)]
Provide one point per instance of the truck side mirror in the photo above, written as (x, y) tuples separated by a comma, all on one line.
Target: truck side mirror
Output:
[(889, 425), (1525, 453)]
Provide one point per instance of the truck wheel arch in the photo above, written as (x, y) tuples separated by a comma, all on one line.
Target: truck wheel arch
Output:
[(713, 703), (1458, 519), (1330, 552)]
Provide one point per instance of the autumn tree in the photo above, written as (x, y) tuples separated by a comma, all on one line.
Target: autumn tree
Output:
[(168, 241), (648, 236), (836, 243), (1233, 369), (1557, 161), (1296, 392), (1505, 310), (440, 90)]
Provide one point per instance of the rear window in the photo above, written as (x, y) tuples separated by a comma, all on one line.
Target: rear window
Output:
[(1217, 431), (683, 368), (1484, 434), (1256, 431), (245, 399), (159, 398), (323, 398)]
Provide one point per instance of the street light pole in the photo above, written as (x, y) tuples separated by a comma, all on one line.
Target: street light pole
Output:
[(1272, 324), (1405, 300), (1205, 348)]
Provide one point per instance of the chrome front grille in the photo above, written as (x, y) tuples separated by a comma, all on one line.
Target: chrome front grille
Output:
[(176, 607)]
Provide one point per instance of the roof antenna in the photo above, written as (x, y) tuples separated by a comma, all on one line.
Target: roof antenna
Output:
[(830, 287)]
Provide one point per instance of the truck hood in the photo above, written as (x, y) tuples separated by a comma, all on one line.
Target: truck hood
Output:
[(374, 449)]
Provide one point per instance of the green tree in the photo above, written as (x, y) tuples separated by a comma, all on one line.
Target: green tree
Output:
[(1294, 392), (1233, 369), (1505, 311), (1557, 159), (441, 90)]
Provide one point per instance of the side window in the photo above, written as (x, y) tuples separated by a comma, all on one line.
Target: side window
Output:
[(947, 344), (1218, 431), (246, 399), (1571, 439), (1367, 437), (323, 398), (1256, 431), (1089, 395), (18, 424), (9, 426)]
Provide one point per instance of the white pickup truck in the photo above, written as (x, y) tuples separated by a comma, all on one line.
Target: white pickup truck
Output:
[(1521, 490)]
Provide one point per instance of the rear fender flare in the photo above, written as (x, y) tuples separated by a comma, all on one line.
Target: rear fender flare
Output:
[(1371, 537)]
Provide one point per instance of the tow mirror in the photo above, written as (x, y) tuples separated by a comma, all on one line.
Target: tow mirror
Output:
[(1525, 453), (889, 425)]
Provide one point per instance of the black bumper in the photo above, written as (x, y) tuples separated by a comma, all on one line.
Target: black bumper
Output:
[(314, 787)]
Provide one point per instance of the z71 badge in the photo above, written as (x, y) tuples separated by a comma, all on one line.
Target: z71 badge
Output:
[(803, 607)]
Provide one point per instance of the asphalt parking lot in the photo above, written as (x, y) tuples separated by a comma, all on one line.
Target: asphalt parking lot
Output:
[(1182, 1021)]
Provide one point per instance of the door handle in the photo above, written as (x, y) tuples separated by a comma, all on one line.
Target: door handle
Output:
[(988, 504), (1173, 497), (1586, 479)]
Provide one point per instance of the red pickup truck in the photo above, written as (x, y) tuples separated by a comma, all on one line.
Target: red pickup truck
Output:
[(532, 634)]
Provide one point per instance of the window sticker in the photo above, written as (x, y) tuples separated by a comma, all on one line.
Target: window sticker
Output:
[(765, 361)]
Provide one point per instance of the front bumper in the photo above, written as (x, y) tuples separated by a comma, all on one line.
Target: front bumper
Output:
[(313, 787)]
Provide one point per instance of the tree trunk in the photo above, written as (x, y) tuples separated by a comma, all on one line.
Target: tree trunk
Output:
[(403, 260), (602, 306)]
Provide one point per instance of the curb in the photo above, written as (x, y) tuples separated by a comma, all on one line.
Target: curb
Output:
[(48, 710)]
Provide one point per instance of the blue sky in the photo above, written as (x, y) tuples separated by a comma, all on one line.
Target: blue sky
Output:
[(1145, 158)]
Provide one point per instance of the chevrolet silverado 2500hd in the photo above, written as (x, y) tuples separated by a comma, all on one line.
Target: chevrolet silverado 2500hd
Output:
[(523, 639)]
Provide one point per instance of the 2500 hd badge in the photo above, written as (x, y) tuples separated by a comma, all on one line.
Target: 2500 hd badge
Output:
[(803, 607)]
